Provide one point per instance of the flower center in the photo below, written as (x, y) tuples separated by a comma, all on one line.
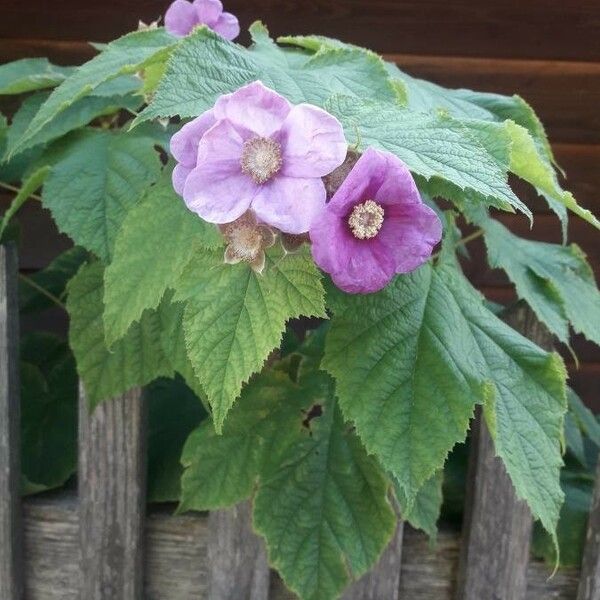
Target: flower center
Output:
[(366, 220), (261, 159)]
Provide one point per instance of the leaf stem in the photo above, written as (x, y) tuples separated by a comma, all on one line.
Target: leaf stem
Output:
[(16, 190), (30, 282), (463, 241)]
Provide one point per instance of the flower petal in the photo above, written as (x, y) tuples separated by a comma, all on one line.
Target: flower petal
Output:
[(180, 18), (289, 203), (180, 174), (184, 144), (227, 26), (217, 194), (355, 266), (313, 142), (254, 107), (208, 11)]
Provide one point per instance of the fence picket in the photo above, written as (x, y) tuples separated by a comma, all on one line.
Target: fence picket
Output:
[(238, 568), (589, 578), (384, 580), (497, 525), (11, 569), (112, 496)]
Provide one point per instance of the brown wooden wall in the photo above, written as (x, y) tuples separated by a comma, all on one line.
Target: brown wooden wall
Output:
[(546, 50)]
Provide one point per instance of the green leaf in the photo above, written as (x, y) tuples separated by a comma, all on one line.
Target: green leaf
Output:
[(173, 412), (30, 185), (411, 361), (77, 115), (584, 418), (555, 280), (423, 511), (130, 285), (321, 502), (30, 74), (48, 412), (52, 279), (123, 56), (221, 470), (218, 67), (135, 360), (113, 169), (234, 317), (455, 156)]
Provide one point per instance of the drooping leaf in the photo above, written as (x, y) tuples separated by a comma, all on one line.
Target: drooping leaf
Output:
[(452, 156), (77, 115), (220, 67), (426, 349), (555, 280), (423, 511), (48, 412), (137, 359), (126, 55), (159, 232), (30, 185), (221, 470), (321, 503), (234, 317), (173, 412), (113, 170), (52, 279), (30, 74)]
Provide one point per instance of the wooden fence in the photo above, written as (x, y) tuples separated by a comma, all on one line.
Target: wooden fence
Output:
[(100, 544)]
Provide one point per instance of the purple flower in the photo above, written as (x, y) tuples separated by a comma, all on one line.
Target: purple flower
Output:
[(182, 16), (254, 150), (375, 226)]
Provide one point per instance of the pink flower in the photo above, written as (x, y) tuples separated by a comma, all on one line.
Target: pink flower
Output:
[(182, 16), (375, 226), (254, 150)]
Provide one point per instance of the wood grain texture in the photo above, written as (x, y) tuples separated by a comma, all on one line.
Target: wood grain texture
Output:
[(589, 582), (507, 28), (384, 580), (11, 566), (237, 558), (177, 554), (112, 478), (497, 525)]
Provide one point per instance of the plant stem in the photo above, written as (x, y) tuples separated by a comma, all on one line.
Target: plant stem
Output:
[(463, 241), (41, 290), (16, 190)]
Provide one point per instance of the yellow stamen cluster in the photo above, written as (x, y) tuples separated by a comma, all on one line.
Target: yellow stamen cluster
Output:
[(261, 159), (366, 220)]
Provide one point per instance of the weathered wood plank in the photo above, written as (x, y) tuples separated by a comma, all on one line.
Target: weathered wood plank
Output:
[(384, 580), (509, 28), (497, 525), (177, 555), (11, 567), (112, 478), (237, 558), (589, 582)]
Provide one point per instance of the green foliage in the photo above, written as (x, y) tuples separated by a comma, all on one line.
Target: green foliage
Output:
[(48, 412), (556, 281), (321, 501), (137, 359), (234, 317), (77, 115), (425, 351), (160, 231), (35, 291), (30, 74), (113, 169), (123, 56), (173, 412), (30, 185), (223, 66)]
